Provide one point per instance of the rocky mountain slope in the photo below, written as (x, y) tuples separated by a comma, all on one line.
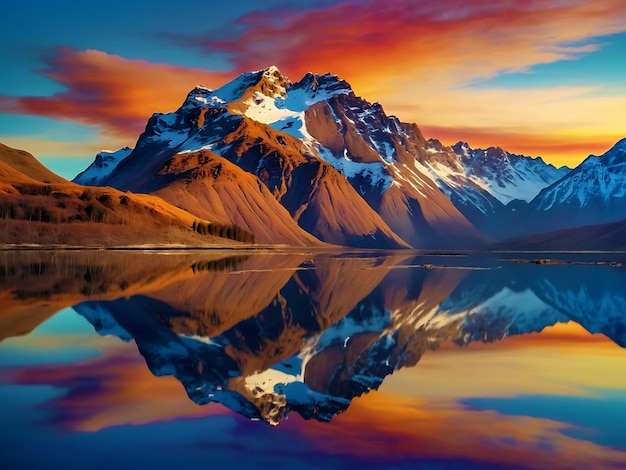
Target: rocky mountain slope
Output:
[(487, 185), (318, 161)]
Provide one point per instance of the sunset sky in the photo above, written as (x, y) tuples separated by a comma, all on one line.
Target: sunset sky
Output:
[(537, 77)]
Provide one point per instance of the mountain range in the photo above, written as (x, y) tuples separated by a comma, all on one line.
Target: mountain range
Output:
[(360, 320), (310, 163), (244, 332)]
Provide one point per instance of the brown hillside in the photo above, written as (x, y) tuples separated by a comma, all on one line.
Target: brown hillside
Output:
[(317, 196), (413, 207), (64, 213), (213, 188), (24, 163)]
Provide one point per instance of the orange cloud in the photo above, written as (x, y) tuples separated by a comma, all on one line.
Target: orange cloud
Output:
[(421, 60), (378, 43), (561, 150), (113, 93)]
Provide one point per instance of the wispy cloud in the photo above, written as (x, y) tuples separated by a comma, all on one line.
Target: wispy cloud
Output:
[(113, 93), (372, 43)]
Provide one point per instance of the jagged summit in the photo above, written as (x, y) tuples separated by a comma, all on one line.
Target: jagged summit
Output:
[(615, 155), (597, 186), (329, 83), (505, 175)]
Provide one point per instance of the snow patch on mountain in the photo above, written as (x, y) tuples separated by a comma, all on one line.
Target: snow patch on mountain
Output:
[(103, 165), (405, 175), (375, 173), (477, 175), (312, 89), (285, 111)]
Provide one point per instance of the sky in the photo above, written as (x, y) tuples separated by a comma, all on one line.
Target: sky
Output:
[(540, 78)]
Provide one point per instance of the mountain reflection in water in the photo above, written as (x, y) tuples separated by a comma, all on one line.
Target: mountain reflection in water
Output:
[(265, 334)]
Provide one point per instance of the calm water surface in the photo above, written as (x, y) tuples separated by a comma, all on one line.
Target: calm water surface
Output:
[(303, 360)]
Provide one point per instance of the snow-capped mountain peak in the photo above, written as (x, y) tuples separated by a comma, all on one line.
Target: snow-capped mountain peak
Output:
[(596, 181), (104, 163), (270, 82), (314, 88), (504, 175)]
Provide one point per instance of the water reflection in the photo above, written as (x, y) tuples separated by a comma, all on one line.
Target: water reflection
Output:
[(267, 334)]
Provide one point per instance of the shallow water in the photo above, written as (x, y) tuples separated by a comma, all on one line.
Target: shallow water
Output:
[(309, 360)]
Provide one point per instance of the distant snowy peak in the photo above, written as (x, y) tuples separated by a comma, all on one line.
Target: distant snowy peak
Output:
[(615, 156), (507, 176), (104, 163), (597, 180)]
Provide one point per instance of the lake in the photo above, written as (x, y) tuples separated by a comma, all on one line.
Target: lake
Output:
[(303, 359)]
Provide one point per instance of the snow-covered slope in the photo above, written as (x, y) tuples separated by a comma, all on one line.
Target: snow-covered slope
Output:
[(102, 167), (593, 193), (596, 179), (487, 186), (507, 176)]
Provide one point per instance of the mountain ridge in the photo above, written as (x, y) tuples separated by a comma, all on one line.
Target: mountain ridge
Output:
[(259, 122)]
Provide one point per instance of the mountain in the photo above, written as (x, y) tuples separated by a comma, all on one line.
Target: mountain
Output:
[(344, 170), (487, 185), (593, 193), (507, 176), (102, 166), (314, 352), (39, 207), (20, 166), (603, 237), (378, 154)]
